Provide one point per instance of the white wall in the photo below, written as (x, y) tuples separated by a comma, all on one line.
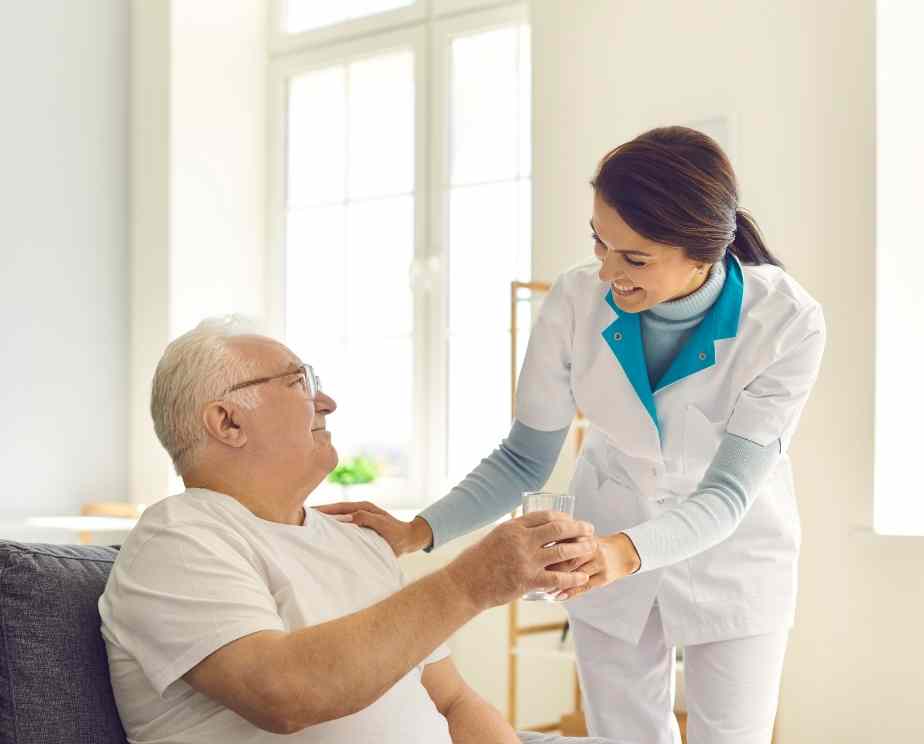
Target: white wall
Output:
[(150, 237), (218, 159), (63, 255), (798, 81), (199, 158)]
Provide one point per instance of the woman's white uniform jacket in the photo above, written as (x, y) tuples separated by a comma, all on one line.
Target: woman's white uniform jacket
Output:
[(746, 369)]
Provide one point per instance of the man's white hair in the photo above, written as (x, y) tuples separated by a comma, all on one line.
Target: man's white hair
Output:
[(197, 368)]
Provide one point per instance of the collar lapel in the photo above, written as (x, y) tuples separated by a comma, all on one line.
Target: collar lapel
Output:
[(722, 320), (624, 337)]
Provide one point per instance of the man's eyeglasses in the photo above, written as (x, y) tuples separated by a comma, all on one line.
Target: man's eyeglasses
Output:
[(310, 382)]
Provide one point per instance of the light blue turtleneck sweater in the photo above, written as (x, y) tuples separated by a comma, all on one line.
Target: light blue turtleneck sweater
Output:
[(524, 461), (666, 326)]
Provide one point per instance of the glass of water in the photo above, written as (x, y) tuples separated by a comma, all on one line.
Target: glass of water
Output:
[(534, 501)]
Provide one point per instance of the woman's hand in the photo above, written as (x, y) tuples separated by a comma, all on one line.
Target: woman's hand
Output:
[(403, 537), (614, 558)]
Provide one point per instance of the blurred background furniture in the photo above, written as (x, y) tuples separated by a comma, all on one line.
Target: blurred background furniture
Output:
[(528, 294), (125, 512), (111, 518)]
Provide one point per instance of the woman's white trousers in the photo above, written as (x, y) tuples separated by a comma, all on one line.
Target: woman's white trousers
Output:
[(731, 687)]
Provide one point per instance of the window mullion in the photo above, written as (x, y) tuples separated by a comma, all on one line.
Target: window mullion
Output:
[(420, 279), (438, 338)]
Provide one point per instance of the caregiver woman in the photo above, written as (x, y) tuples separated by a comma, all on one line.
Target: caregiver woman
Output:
[(691, 353)]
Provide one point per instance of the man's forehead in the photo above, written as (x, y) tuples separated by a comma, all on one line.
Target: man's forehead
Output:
[(266, 352)]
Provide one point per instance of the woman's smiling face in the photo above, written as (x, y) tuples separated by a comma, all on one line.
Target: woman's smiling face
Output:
[(641, 273)]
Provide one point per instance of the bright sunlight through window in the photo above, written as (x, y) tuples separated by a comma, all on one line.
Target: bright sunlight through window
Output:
[(398, 266)]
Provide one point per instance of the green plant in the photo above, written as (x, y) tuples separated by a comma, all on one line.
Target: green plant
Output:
[(354, 471)]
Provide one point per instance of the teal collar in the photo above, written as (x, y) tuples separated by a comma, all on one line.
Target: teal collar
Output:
[(624, 338)]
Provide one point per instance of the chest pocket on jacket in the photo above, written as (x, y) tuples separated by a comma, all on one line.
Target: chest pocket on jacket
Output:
[(701, 439)]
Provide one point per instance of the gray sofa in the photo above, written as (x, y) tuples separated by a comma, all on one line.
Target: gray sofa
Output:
[(54, 677)]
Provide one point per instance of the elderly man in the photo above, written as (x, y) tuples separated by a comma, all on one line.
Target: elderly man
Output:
[(233, 614)]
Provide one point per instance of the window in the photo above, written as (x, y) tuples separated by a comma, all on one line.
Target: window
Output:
[(488, 192), (300, 25), (898, 506), (350, 244), (401, 215)]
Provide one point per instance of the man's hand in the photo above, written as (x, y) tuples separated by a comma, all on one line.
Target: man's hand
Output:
[(403, 537), (515, 557), (614, 558)]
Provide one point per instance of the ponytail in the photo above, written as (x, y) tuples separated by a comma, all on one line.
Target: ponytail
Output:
[(748, 244)]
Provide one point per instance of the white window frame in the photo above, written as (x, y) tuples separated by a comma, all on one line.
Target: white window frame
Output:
[(282, 42), (430, 38)]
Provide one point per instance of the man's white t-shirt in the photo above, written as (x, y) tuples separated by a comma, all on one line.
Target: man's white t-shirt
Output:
[(200, 570)]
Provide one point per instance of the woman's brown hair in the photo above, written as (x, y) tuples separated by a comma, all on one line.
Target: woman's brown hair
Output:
[(675, 186)]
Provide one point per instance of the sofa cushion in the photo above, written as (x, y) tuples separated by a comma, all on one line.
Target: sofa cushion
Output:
[(54, 676)]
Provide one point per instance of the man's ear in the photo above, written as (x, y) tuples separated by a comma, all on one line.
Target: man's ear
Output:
[(222, 422)]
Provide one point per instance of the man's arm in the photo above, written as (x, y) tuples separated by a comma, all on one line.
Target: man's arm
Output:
[(286, 681), (472, 720), (283, 682)]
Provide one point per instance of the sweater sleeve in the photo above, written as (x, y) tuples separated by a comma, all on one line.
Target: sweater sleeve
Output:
[(522, 462), (715, 509)]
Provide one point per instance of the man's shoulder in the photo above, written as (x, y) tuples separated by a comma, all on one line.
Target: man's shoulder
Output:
[(368, 543), (178, 512), (178, 519)]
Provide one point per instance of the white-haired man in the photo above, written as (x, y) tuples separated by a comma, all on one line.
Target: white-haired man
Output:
[(232, 614)]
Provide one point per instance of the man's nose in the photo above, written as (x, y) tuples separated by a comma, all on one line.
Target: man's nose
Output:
[(324, 405)]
